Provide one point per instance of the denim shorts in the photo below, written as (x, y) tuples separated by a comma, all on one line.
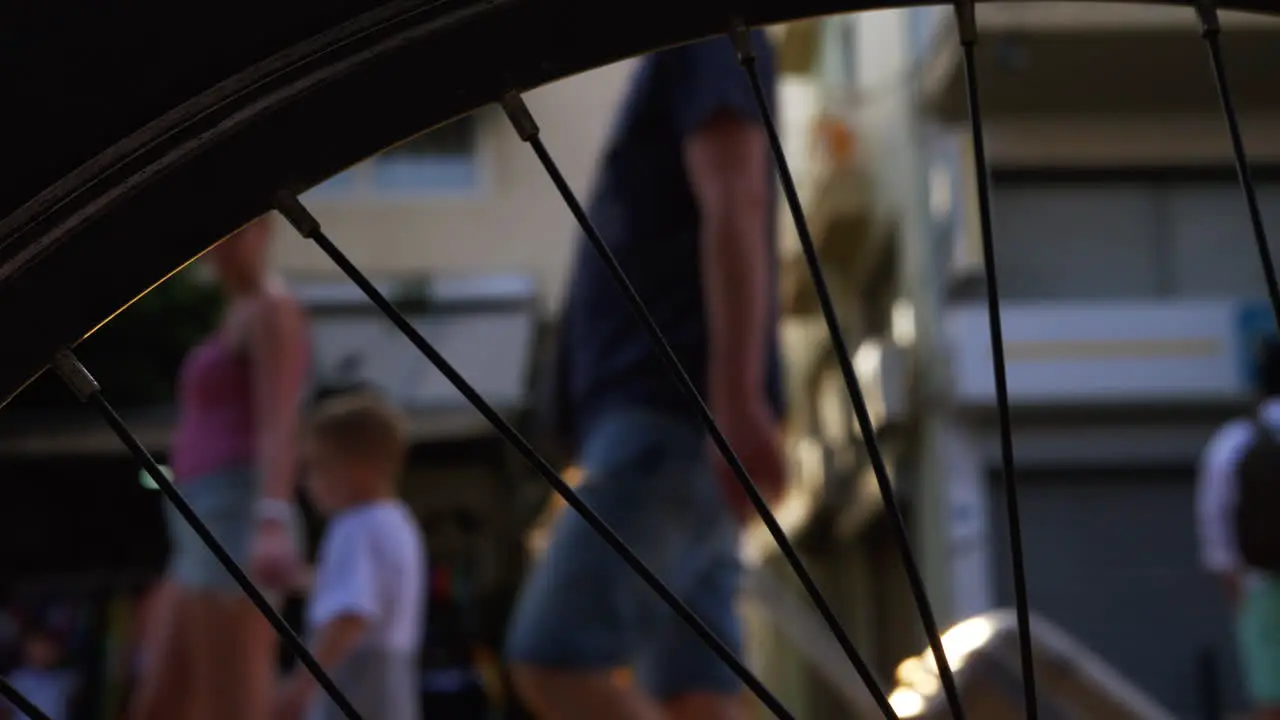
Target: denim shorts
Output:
[(650, 478), (224, 500)]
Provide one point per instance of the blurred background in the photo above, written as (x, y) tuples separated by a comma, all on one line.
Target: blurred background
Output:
[(1132, 299)]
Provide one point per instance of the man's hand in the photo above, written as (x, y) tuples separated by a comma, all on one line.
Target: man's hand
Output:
[(727, 161), (726, 156), (749, 425)]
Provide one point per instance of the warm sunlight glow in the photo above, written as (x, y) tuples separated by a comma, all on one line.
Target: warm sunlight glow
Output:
[(919, 675), (908, 669), (902, 323), (866, 363), (867, 358), (906, 702), (809, 464), (572, 475), (963, 639)]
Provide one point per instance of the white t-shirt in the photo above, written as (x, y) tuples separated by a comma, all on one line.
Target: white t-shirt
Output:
[(1217, 488), (372, 563), (49, 690)]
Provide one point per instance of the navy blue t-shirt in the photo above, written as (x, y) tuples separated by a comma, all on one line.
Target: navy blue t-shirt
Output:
[(645, 211)]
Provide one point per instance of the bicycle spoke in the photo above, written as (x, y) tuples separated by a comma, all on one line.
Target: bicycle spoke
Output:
[(527, 128), (1211, 31), (746, 56), (87, 390), (966, 21), (20, 702), (306, 224)]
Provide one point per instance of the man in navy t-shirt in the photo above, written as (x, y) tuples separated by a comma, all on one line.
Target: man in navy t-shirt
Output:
[(685, 202)]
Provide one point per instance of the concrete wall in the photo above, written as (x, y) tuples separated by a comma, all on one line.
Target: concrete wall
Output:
[(516, 222)]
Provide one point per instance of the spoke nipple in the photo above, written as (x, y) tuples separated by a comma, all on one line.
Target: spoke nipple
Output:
[(1210, 26), (740, 35), (297, 214), (518, 113), (75, 375), (967, 22)]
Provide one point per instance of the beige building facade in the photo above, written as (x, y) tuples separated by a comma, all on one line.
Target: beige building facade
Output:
[(503, 215), (1117, 216)]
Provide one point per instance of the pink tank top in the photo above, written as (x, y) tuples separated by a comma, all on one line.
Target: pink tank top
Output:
[(215, 411)]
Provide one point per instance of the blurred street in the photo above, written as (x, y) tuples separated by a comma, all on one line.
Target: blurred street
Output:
[(1132, 307)]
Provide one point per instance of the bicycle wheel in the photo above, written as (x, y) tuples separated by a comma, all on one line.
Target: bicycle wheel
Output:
[(141, 140)]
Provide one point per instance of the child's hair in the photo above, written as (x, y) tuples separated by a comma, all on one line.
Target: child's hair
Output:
[(360, 426)]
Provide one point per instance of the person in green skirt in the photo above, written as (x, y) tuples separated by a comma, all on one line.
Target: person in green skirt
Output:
[(1254, 594)]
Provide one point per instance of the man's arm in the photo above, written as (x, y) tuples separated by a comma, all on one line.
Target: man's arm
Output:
[(727, 162), (726, 158)]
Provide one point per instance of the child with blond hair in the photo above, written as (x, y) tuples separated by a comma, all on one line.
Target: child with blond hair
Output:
[(365, 617)]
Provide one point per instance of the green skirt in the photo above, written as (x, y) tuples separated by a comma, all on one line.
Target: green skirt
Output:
[(1258, 629)]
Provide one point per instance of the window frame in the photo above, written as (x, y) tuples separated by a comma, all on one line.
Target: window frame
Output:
[(359, 184), (1162, 182)]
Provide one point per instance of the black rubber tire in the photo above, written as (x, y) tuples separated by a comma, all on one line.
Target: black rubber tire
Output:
[(138, 133)]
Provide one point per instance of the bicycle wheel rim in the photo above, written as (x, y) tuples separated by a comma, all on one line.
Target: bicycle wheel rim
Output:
[(123, 217)]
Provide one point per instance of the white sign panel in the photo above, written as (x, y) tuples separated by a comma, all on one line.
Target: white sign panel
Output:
[(1101, 352)]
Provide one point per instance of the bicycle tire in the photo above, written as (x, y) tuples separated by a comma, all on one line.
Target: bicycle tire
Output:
[(140, 145)]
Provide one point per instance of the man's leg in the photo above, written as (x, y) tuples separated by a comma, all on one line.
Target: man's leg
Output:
[(583, 613), (572, 695), (678, 668)]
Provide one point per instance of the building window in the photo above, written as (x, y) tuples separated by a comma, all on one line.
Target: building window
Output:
[(1128, 237), (923, 24), (443, 161), (837, 54)]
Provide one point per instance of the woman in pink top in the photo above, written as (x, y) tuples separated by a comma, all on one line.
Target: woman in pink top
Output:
[(209, 655)]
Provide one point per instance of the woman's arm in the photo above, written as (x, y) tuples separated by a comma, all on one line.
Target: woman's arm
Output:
[(278, 352)]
